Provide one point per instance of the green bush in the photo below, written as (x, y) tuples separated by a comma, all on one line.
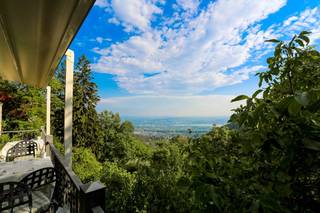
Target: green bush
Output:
[(280, 131), (4, 138), (120, 186), (85, 165)]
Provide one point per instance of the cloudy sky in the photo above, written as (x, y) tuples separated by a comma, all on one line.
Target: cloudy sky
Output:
[(185, 57)]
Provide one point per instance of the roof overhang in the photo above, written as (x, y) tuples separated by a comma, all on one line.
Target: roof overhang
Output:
[(34, 36)]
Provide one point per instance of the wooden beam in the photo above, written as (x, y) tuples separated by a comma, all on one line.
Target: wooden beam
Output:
[(68, 108)]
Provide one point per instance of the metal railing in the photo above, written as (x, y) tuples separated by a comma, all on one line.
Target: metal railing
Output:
[(20, 131), (21, 134), (69, 191)]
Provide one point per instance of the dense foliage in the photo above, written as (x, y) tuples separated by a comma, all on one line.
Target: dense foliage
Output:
[(24, 106), (265, 160), (280, 130), (23, 109)]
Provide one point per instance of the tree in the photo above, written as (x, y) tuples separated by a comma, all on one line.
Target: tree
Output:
[(117, 142), (24, 106), (86, 165), (57, 84), (85, 118), (281, 129)]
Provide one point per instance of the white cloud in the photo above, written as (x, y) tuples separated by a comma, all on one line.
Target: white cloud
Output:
[(189, 4), (192, 57), (113, 20), (135, 13), (213, 105), (100, 40), (220, 46), (290, 20), (102, 3), (308, 20)]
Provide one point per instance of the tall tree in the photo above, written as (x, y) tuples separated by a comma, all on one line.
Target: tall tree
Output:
[(85, 118), (57, 102)]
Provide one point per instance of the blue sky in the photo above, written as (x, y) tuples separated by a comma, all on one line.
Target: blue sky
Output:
[(185, 57)]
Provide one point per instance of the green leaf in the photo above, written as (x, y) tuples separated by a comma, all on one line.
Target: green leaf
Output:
[(183, 184), (302, 98), (304, 33), (276, 144), (255, 206), (294, 107), (314, 54), (256, 93), (315, 122), (272, 40), (275, 112), (239, 98), (260, 81), (300, 42), (311, 144), (265, 93), (305, 38), (277, 51), (232, 118), (270, 60)]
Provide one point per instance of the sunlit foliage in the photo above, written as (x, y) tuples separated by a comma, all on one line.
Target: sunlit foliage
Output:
[(265, 160)]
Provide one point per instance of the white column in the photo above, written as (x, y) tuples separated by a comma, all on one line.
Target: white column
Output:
[(48, 126), (68, 107), (0, 118)]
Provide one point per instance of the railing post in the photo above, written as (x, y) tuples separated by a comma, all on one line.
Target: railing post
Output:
[(49, 140), (70, 192), (68, 108), (46, 139), (92, 195)]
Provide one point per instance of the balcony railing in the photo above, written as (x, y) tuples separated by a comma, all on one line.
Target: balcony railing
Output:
[(69, 191)]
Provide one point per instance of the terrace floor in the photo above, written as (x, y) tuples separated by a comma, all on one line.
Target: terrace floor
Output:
[(53, 185), (16, 170)]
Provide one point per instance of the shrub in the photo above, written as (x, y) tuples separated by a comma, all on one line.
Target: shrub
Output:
[(120, 185), (85, 165)]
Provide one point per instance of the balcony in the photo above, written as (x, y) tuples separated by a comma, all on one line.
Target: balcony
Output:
[(66, 192), (34, 36)]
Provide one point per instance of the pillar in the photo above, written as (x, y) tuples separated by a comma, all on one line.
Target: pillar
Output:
[(68, 108), (48, 120)]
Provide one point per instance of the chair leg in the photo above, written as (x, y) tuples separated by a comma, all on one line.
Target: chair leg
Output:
[(30, 203)]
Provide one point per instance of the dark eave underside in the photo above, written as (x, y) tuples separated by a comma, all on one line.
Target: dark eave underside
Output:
[(35, 34)]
